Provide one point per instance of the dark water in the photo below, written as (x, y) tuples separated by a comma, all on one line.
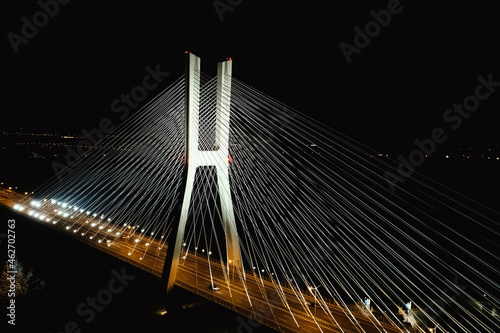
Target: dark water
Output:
[(72, 272)]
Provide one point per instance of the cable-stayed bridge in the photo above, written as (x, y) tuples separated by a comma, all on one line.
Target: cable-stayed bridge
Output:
[(220, 189)]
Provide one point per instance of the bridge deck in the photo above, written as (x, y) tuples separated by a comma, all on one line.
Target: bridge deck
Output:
[(253, 296)]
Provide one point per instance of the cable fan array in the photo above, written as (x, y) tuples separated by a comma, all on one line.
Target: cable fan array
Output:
[(313, 210)]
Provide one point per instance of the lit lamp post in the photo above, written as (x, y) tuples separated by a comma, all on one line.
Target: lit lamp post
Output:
[(314, 294)]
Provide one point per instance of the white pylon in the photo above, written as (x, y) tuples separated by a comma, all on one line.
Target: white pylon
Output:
[(219, 158)]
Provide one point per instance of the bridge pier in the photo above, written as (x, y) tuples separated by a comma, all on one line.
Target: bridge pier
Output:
[(219, 158)]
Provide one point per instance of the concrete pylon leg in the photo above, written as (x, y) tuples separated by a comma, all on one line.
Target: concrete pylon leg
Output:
[(224, 74), (229, 221), (177, 246), (192, 104), (195, 158)]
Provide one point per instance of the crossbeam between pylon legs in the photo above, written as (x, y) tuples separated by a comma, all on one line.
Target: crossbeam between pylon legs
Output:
[(196, 158)]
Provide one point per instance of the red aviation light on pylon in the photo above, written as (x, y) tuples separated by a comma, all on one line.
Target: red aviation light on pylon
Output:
[(228, 159)]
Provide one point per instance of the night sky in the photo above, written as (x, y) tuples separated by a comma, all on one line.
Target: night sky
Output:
[(394, 90), (386, 94)]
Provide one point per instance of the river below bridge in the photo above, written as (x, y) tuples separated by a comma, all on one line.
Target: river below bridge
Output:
[(73, 272)]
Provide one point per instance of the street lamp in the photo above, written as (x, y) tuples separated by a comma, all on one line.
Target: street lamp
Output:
[(315, 299), (230, 270)]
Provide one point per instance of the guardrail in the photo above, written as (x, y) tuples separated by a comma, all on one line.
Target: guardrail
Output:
[(265, 321), (329, 302), (228, 305), (158, 272)]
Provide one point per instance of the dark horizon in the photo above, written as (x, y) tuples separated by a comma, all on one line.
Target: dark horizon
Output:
[(395, 89), (414, 80)]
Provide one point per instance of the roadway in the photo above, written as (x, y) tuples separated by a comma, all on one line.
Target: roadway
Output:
[(262, 299)]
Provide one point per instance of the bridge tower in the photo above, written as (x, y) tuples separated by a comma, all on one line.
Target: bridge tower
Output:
[(219, 158)]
